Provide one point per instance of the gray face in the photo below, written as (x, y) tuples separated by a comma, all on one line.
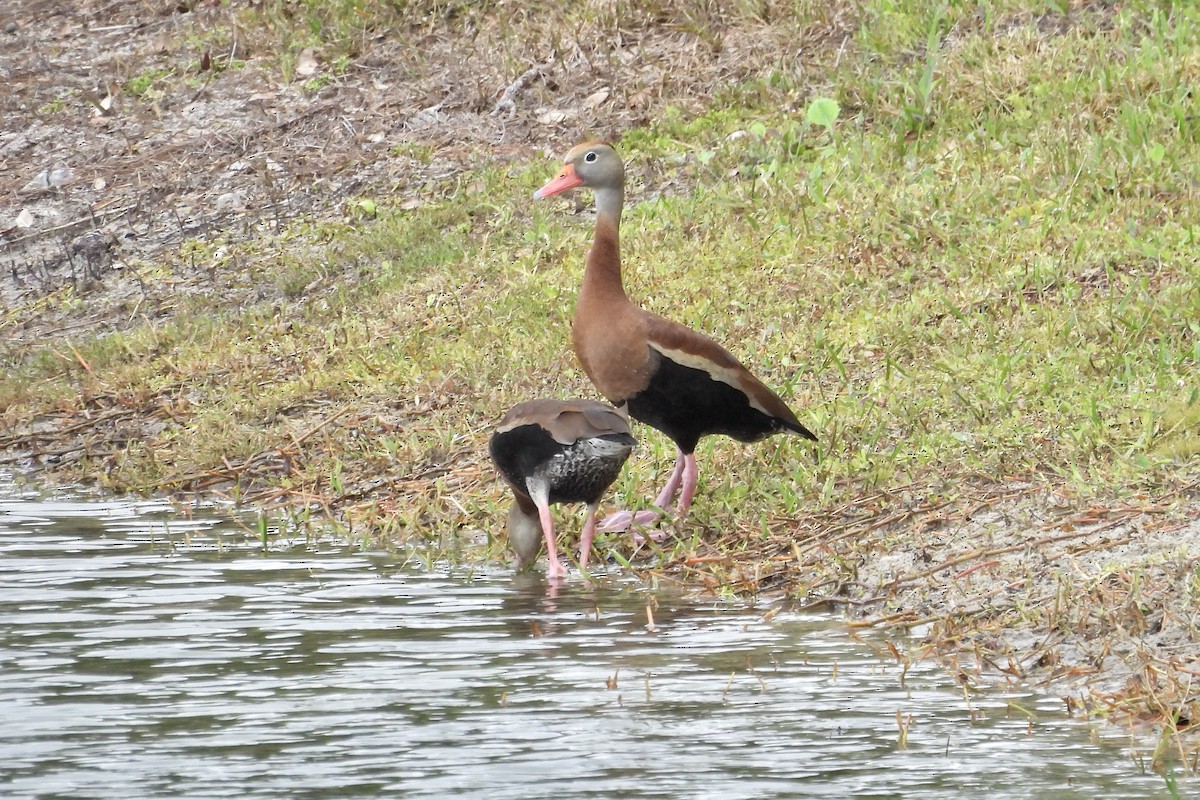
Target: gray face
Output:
[(524, 536), (598, 166)]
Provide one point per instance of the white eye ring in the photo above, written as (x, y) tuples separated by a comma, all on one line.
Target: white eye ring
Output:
[(590, 157)]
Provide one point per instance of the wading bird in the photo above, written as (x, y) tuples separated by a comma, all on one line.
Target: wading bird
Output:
[(557, 451)]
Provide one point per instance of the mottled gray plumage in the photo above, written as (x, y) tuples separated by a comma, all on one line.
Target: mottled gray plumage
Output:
[(557, 451)]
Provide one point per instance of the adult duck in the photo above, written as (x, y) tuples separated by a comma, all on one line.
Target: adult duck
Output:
[(557, 451), (664, 374)]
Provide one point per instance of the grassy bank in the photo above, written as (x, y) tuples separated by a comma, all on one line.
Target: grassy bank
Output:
[(987, 266), (979, 283)]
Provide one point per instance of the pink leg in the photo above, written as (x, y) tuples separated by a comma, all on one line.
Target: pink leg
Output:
[(554, 567), (585, 538), (668, 493), (621, 520), (691, 476)]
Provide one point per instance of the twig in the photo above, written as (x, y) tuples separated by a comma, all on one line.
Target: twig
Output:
[(76, 223), (974, 567), (13, 439), (507, 102), (902, 618), (296, 440)]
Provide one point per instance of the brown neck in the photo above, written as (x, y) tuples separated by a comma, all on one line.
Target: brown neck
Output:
[(602, 277)]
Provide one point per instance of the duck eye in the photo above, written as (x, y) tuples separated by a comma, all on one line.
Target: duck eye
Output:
[(590, 157)]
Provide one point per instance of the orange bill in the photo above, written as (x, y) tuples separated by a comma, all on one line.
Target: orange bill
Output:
[(566, 179)]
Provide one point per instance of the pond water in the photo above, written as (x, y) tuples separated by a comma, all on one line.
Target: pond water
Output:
[(144, 654)]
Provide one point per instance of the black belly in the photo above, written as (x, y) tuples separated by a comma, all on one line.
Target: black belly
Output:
[(574, 475), (687, 403)]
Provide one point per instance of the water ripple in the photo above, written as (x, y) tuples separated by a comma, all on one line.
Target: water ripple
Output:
[(147, 655)]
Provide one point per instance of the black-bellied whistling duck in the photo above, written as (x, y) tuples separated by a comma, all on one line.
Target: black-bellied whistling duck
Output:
[(557, 451), (664, 374)]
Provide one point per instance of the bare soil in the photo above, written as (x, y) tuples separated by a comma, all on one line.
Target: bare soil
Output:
[(222, 145), (98, 184)]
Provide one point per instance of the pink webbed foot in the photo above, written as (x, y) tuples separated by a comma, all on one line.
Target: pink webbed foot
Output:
[(624, 520), (616, 521), (655, 534)]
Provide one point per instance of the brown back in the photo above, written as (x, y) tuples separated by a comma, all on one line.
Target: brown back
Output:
[(567, 421)]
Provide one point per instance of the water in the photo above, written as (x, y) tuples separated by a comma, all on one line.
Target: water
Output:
[(145, 655)]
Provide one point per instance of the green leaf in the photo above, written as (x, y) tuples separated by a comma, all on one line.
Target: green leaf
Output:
[(824, 112)]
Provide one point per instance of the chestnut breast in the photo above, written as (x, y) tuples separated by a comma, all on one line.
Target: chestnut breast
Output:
[(610, 342)]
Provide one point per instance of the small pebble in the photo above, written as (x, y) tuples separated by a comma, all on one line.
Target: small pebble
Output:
[(92, 244), (10, 27), (51, 178), (231, 201)]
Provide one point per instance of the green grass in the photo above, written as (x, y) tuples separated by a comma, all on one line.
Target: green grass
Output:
[(986, 266), (141, 85)]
